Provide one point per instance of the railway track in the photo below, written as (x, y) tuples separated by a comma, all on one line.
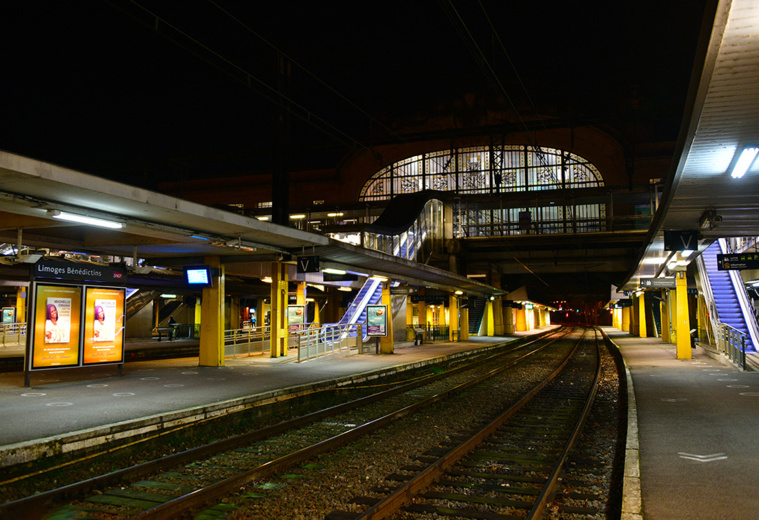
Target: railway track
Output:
[(510, 467), (170, 486)]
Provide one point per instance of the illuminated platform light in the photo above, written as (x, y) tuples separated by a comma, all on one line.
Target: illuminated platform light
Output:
[(744, 162), (84, 219)]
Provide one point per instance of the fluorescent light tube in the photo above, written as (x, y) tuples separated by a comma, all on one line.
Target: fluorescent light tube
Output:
[(744, 162), (83, 219)]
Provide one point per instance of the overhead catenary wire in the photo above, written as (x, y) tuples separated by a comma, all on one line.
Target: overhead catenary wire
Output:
[(240, 74), (487, 68), (307, 71)]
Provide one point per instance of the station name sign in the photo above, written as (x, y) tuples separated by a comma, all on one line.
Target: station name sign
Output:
[(738, 261), (669, 282), (64, 270)]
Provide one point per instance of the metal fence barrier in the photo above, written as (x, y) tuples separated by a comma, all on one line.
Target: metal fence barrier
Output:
[(732, 343), (246, 342), (429, 334), (327, 339), (12, 334)]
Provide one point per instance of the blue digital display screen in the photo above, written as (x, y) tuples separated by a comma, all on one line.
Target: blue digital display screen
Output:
[(198, 275)]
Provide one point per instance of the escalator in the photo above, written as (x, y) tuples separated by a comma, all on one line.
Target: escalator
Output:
[(370, 294), (726, 300)]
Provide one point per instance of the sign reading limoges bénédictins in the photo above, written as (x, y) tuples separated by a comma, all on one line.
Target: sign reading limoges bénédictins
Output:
[(83, 271)]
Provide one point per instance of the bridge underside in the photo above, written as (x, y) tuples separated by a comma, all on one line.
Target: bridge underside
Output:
[(557, 267)]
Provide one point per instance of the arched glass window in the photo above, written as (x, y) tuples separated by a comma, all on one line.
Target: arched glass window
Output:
[(483, 170)]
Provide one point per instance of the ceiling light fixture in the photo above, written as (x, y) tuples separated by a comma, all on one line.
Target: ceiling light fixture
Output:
[(83, 219), (744, 162), (329, 270)]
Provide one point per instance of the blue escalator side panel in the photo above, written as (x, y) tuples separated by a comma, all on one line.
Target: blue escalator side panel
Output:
[(725, 299)]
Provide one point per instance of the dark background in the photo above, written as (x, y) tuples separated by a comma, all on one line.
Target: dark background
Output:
[(94, 86)]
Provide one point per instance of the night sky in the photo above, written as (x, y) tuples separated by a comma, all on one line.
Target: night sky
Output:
[(93, 86)]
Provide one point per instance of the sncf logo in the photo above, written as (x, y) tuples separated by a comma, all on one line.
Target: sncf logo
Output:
[(118, 276)]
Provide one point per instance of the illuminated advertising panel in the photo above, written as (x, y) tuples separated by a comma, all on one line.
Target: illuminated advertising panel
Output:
[(55, 333), (104, 317), (376, 320), (296, 318)]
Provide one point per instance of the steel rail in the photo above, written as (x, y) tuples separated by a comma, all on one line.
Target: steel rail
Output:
[(546, 493), (36, 505), (392, 503), (200, 497)]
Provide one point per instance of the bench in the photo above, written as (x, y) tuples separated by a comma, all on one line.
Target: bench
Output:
[(419, 336), (169, 331)]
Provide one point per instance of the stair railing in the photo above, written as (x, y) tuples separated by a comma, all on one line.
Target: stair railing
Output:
[(706, 287), (732, 343), (745, 304)]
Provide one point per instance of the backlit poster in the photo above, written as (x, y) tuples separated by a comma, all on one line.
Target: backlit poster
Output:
[(103, 325), (376, 320), (296, 318), (9, 314), (55, 335)]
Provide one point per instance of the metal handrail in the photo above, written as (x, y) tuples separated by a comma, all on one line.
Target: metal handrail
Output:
[(732, 343), (328, 339), (16, 330), (708, 298), (249, 341)]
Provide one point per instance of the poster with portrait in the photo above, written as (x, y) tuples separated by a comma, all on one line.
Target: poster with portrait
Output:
[(103, 325), (55, 333), (376, 320)]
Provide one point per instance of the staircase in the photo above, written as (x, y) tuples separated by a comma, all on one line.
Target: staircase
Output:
[(475, 315), (370, 294), (728, 306)]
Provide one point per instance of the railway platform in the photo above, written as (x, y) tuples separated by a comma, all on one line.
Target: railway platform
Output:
[(68, 409), (692, 451)]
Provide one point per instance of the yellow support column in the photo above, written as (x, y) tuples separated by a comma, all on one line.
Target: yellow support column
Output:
[(233, 320), (387, 342), (212, 318), (498, 327), (300, 296), (279, 292), (642, 330), (409, 319), (453, 317), (508, 318), (626, 319), (616, 319), (422, 314), (521, 319), (464, 324), (664, 313), (634, 317), (489, 325), (21, 304), (681, 318), (198, 316)]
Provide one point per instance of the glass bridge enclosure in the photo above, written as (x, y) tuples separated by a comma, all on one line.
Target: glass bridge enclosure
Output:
[(492, 191)]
